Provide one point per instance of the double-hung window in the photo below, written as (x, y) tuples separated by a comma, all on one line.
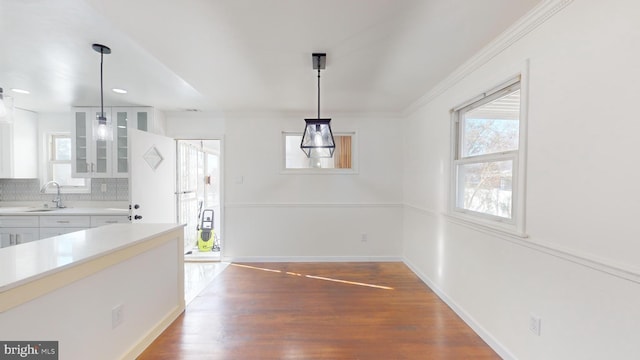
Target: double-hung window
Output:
[(59, 166), (488, 161)]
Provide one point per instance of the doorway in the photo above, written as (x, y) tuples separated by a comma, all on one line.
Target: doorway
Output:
[(198, 198)]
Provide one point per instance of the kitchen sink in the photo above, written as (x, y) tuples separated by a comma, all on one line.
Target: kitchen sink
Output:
[(40, 209)]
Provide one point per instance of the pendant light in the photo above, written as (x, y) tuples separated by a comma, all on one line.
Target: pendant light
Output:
[(5, 107), (102, 128), (317, 139)]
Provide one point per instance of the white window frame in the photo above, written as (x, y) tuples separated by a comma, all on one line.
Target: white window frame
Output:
[(320, 171), (516, 224), (48, 176)]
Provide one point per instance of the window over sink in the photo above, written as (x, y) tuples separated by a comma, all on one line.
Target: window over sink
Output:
[(59, 166)]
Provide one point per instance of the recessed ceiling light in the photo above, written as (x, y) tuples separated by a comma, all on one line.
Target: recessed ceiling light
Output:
[(20, 91), (119, 91)]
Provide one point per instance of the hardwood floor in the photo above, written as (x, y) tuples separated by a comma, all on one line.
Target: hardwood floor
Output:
[(318, 311)]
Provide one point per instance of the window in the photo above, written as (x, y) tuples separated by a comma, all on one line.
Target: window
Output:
[(343, 159), (59, 165), (488, 166)]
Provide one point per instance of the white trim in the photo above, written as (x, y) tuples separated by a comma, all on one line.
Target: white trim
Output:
[(316, 259), (313, 205), (495, 92), (154, 332), (417, 208), (486, 336), (607, 266), (534, 18)]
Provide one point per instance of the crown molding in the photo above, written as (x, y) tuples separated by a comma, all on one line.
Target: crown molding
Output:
[(534, 18)]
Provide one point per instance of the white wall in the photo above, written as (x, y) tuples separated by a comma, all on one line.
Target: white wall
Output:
[(579, 270), (270, 215)]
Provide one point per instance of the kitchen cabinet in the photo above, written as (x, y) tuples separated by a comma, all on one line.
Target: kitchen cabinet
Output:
[(15, 236), (105, 159), (60, 225), (55, 225), (16, 230), (18, 146), (102, 220), (19, 229)]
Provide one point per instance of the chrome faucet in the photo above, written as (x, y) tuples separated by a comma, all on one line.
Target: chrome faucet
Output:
[(58, 199)]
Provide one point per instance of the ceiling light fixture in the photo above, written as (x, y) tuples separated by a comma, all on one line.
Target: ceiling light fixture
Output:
[(6, 108), (102, 129), (21, 91), (317, 140)]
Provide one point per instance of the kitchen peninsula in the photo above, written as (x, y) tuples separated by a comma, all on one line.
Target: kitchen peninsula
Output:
[(102, 293)]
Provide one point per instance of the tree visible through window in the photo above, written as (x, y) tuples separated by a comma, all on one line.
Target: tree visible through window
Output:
[(486, 155)]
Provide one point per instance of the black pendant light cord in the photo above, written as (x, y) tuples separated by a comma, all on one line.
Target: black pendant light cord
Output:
[(318, 91), (101, 87)]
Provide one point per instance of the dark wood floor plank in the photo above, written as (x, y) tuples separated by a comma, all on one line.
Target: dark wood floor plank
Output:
[(318, 311)]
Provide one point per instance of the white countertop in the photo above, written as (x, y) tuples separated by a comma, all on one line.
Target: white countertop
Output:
[(39, 211), (23, 263)]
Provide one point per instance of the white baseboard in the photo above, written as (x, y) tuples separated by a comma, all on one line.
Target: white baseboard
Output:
[(161, 326), (501, 350)]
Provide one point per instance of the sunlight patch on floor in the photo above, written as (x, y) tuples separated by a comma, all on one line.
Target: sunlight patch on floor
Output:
[(315, 277)]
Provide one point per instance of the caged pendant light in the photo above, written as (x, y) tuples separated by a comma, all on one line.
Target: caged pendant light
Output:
[(102, 128), (317, 139)]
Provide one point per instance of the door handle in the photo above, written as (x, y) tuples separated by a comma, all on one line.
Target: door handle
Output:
[(11, 239), (137, 217)]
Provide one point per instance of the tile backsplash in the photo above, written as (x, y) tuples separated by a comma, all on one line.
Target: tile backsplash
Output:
[(29, 190)]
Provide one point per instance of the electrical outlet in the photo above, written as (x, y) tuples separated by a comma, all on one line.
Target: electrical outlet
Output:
[(534, 324), (117, 316), (364, 237)]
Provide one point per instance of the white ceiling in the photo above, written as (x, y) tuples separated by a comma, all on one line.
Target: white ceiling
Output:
[(241, 55)]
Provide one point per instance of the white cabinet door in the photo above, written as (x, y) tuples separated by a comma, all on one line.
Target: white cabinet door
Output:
[(6, 150), (139, 118), (91, 158), (81, 150), (16, 236), (6, 238), (18, 144), (101, 159)]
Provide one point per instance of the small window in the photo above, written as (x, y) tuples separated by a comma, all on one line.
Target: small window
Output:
[(487, 156), (59, 169), (342, 160)]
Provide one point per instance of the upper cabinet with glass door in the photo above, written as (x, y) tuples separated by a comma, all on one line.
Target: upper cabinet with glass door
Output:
[(104, 159), (125, 119)]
